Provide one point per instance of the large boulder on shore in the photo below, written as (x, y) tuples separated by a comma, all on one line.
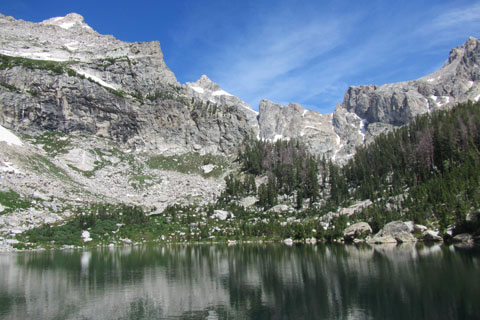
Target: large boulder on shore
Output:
[(380, 239), (430, 235), (357, 230), (463, 238), (396, 230)]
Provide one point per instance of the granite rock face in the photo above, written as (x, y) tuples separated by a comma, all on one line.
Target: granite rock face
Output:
[(396, 230), (370, 110), (357, 230), (61, 75), (294, 122)]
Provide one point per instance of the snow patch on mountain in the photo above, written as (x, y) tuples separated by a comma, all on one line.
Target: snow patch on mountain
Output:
[(10, 138)]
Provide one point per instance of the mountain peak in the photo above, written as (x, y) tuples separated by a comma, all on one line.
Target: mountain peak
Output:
[(205, 83), (71, 20), (469, 50)]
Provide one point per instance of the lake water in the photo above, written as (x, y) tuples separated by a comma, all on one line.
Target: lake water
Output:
[(254, 281)]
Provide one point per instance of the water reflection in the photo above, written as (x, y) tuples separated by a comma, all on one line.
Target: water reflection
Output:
[(242, 281)]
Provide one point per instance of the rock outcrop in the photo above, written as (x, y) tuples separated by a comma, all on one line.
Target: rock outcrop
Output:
[(370, 110), (61, 75), (356, 231), (395, 231)]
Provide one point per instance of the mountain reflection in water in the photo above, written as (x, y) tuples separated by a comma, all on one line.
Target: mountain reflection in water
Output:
[(260, 281)]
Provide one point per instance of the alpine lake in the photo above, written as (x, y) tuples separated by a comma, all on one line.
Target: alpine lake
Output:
[(243, 281)]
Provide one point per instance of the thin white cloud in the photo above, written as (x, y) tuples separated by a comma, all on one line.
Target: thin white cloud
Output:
[(457, 17), (267, 63), (295, 56)]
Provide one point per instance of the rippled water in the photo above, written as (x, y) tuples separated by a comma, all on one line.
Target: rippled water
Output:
[(270, 281)]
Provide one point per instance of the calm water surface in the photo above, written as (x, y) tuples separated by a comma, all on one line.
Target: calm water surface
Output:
[(270, 281)]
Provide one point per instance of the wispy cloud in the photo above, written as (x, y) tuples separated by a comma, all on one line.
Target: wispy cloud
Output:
[(310, 54)]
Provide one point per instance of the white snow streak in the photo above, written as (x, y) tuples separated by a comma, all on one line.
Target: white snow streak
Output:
[(66, 25), (197, 89), (220, 93), (277, 137), (8, 137), (95, 78), (340, 146), (32, 55)]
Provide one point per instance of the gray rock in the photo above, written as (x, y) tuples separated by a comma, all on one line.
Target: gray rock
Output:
[(208, 168), (280, 208), (357, 230), (403, 237), (80, 159), (380, 239), (463, 238), (397, 230), (473, 216), (221, 214), (113, 89), (430, 235), (395, 227), (410, 225), (248, 201), (49, 220), (419, 228)]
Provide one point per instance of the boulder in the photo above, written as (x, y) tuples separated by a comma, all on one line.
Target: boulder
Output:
[(357, 230), (248, 201), (419, 228), (430, 235), (396, 230), (288, 241), (473, 216), (280, 208), (208, 168), (410, 225), (379, 239), (395, 227), (403, 237), (463, 238), (220, 214)]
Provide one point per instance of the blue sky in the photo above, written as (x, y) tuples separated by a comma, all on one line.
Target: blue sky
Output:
[(307, 52)]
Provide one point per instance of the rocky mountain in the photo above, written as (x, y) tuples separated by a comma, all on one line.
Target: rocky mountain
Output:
[(61, 75), (88, 118), (369, 110)]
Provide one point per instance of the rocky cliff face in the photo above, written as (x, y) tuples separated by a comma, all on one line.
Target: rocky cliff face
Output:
[(294, 122), (370, 110), (61, 75)]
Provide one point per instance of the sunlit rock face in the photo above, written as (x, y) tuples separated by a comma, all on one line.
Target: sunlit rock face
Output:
[(82, 81), (370, 110), (97, 85)]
